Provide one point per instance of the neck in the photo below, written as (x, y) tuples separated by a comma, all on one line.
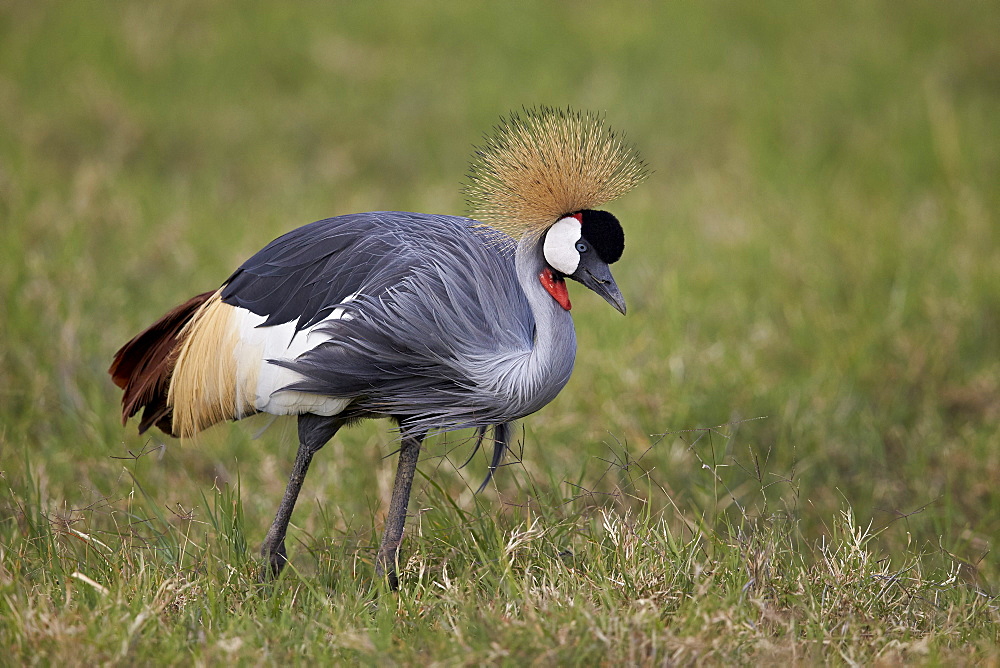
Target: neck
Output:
[(554, 350)]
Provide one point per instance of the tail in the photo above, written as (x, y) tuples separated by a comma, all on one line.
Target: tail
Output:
[(144, 366)]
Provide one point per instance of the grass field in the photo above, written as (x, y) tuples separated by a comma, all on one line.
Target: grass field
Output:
[(787, 451)]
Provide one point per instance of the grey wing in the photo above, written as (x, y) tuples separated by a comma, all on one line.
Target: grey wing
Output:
[(303, 275), (431, 337)]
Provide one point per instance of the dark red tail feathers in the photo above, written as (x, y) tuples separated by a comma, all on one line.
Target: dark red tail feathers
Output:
[(144, 365)]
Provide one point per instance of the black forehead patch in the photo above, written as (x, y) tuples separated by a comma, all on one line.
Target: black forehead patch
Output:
[(604, 233)]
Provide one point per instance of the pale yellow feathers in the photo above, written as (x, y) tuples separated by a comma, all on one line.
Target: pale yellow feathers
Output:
[(203, 388), (546, 163)]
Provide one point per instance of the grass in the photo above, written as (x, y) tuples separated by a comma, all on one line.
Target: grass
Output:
[(787, 451)]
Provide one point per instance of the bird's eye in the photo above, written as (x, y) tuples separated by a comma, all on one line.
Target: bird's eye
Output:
[(581, 247)]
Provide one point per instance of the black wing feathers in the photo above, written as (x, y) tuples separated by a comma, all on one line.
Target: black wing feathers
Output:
[(304, 274)]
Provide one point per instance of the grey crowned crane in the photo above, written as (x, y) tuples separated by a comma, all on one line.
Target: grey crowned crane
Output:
[(438, 322)]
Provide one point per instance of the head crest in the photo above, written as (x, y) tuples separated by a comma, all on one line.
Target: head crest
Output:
[(546, 163)]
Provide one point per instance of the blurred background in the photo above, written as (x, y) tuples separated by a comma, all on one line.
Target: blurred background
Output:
[(812, 270)]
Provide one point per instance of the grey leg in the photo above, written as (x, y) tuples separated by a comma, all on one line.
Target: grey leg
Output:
[(388, 552), (314, 432)]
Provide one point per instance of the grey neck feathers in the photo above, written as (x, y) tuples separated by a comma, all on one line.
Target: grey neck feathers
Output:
[(548, 367)]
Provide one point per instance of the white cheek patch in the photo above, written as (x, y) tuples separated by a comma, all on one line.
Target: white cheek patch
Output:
[(560, 245)]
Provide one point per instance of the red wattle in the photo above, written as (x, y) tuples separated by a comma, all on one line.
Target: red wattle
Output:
[(555, 287)]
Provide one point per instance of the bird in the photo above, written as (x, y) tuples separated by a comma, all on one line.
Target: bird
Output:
[(437, 322)]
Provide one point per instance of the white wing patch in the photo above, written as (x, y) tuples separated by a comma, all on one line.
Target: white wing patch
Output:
[(259, 382), (560, 245)]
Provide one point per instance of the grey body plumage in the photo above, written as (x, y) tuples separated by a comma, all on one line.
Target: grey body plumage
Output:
[(449, 326)]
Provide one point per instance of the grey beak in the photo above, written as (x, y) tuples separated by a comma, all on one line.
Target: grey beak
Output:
[(599, 279)]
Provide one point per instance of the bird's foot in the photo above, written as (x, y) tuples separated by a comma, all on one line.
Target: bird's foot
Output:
[(385, 567), (275, 559)]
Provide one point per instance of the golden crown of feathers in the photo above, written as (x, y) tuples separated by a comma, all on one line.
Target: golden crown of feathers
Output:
[(546, 163)]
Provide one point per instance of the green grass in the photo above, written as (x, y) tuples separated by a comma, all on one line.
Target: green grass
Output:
[(788, 450)]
